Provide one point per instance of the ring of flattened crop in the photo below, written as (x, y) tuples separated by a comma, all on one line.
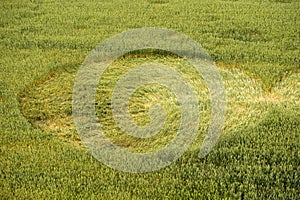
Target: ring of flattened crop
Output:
[(87, 80)]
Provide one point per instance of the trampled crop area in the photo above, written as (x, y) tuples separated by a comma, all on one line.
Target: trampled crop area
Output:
[(256, 47)]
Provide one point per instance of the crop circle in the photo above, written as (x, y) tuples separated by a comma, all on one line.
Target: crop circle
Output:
[(87, 80)]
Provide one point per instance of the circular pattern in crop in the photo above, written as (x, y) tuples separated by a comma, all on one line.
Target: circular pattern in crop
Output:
[(98, 61)]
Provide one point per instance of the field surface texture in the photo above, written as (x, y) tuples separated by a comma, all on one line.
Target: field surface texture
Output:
[(256, 47)]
